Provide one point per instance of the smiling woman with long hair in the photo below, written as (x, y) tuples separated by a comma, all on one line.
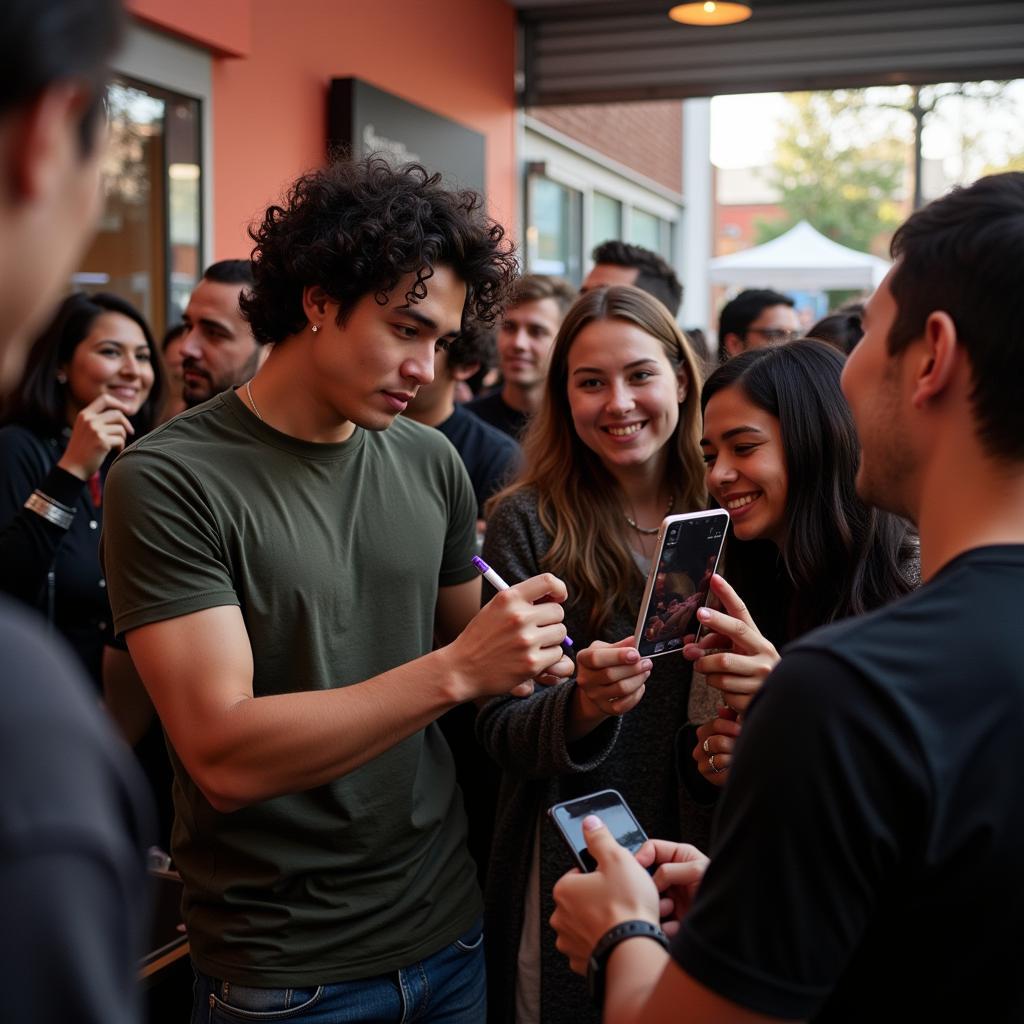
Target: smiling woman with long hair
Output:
[(91, 384), (613, 449), (782, 456)]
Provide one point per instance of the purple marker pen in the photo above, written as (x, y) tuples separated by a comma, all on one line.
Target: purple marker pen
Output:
[(499, 584)]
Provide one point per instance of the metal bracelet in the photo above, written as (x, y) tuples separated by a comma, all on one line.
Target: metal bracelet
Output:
[(52, 511)]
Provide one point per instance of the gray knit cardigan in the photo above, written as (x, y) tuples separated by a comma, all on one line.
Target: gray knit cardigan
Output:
[(641, 754)]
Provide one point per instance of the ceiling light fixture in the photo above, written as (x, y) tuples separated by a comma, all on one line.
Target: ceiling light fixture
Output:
[(711, 12)]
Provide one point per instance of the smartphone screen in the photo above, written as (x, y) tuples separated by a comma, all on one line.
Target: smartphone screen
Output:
[(609, 806), (680, 579)]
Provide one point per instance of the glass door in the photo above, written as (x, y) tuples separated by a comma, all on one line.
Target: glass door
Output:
[(149, 245)]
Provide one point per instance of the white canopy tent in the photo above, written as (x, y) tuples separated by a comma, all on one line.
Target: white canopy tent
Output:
[(802, 259)]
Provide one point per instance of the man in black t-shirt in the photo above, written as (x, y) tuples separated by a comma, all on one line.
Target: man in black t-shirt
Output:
[(867, 857), (526, 336)]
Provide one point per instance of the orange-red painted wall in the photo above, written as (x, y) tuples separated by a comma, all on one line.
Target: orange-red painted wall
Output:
[(222, 26), (455, 57)]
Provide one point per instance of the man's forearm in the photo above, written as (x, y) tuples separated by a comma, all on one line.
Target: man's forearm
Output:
[(240, 749), (644, 985), (262, 747), (632, 975)]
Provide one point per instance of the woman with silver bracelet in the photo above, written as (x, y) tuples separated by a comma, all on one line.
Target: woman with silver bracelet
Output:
[(91, 384)]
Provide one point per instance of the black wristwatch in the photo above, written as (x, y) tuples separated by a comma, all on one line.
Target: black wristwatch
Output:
[(611, 938)]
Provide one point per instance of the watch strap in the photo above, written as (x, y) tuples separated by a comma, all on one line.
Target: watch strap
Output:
[(611, 938)]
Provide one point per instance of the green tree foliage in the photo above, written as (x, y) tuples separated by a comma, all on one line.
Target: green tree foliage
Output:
[(975, 102), (834, 170)]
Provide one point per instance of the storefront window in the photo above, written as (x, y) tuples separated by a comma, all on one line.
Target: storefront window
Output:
[(148, 248), (606, 220), (651, 232), (554, 239)]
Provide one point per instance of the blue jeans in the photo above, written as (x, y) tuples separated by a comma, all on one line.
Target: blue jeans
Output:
[(448, 987)]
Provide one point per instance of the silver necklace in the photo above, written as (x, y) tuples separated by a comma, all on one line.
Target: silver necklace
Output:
[(645, 530), (252, 401)]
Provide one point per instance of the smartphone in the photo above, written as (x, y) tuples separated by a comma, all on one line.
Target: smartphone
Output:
[(609, 806), (685, 558)]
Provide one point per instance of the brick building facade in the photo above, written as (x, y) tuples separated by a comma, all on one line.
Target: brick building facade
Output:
[(646, 137)]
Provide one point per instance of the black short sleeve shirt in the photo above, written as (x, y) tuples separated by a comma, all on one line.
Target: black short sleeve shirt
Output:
[(869, 844)]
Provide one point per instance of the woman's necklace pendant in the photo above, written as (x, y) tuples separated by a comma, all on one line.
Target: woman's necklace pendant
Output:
[(650, 531)]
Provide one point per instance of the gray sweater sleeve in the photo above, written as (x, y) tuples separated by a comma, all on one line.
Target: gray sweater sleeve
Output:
[(527, 736)]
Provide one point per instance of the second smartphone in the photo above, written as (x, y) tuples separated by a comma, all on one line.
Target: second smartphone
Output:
[(685, 558), (609, 806)]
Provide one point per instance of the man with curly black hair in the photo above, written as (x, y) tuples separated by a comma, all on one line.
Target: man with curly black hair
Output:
[(281, 560)]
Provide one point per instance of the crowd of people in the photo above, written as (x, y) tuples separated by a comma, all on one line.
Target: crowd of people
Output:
[(247, 553)]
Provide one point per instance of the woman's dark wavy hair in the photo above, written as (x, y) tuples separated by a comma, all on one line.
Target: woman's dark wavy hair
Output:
[(357, 228), (40, 401), (840, 556)]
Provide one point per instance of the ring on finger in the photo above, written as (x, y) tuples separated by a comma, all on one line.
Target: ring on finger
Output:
[(705, 746), (717, 769)]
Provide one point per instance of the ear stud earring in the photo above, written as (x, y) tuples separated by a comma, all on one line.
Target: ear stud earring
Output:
[(314, 328)]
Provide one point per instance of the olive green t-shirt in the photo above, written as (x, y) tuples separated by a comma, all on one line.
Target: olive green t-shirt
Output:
[(334, 554)]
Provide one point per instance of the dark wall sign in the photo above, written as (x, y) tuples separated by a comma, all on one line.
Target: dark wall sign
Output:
[(366, 120)]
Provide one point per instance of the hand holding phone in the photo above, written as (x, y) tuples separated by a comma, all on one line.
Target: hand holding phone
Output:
[(611, 677), (589, 903), (733, 654), (677, 870), (608, 805), (685, 558)]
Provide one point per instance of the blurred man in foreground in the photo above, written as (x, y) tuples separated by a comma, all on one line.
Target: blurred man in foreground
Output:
[(73, 815)]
